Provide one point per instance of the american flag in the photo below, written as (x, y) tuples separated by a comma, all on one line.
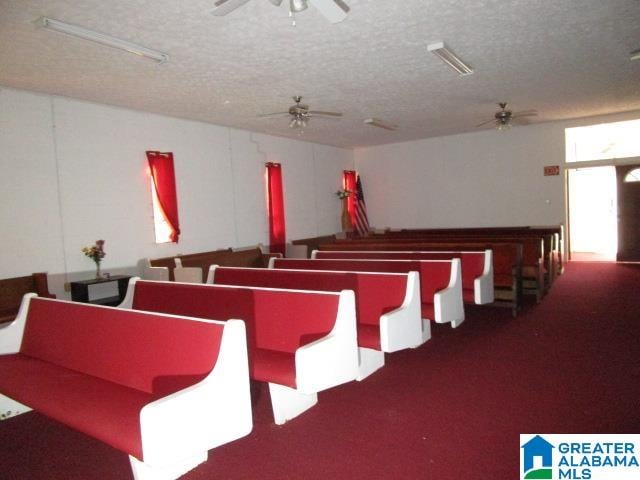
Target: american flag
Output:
[(361, 222)]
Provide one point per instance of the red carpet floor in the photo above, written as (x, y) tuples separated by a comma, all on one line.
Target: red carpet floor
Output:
[(451, 409)]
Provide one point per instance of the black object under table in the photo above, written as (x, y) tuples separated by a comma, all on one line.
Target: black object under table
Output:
[(80, 290)]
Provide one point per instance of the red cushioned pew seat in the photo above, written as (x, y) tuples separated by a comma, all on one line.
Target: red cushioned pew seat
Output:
[(477, 267), (108, 372), (440, 281), (301, 342), (387, 304)]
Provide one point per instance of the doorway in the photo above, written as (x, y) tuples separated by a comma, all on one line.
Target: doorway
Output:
[(628, 212), (593, 226)]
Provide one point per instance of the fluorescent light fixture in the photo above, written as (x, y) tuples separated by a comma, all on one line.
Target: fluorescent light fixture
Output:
[(447, 56), (101, 38), (635, 55), (380, 123)]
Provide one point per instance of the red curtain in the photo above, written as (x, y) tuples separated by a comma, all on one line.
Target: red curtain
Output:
[(349, 183), (275, 200), (164, 180)]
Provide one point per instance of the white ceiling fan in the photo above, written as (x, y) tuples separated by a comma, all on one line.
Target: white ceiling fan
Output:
[(503, 119), (299, 114), (333, 10)]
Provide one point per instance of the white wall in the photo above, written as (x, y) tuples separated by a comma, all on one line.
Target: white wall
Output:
[(486, 178), (30, 222), (74, 172), (307, 170)]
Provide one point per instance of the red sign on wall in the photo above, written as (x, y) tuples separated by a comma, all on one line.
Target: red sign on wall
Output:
[(550, 170)]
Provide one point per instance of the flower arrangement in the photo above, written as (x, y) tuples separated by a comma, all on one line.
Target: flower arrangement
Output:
[(343, 193), (96, 253)]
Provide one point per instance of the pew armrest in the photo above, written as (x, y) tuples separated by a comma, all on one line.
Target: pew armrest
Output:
[(402, 328), (127, 301), (266, 257), (211, 274), (333, 359), (210, 413), (11, 333), (448, 303), (483, 285)]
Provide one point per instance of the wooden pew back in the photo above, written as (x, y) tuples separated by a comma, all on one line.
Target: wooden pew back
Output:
[(13, 289)]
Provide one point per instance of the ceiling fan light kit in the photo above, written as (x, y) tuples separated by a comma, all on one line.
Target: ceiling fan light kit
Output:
[(299, 114), (503, 118), (374, 122), (445, 54), (101, 38), (501, 126), (299, 122), (333, 10), (297, 6)]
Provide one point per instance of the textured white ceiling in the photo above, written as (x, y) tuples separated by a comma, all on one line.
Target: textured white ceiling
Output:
[(565, 58)]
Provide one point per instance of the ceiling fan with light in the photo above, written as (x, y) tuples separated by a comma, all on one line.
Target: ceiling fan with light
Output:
[(300, 114), (504, 118), (333, 10)]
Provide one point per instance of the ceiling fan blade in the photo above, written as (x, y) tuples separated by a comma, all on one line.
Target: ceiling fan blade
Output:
[(523, 116), (277, 3), (275, 114), (328, 114), (222, 7), (521, 120), (333, 10), (493, 120), (525, 112)]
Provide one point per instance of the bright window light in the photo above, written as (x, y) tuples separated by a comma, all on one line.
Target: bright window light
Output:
[(162, 228), (604, 141)]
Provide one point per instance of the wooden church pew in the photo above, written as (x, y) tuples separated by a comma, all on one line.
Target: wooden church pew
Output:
[(387, 304), (300, 342), (440, 281), (123, 378), (507, 262), (477, 267), (13, 289)]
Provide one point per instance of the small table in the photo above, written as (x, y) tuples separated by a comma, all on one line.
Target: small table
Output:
[(80, 290)]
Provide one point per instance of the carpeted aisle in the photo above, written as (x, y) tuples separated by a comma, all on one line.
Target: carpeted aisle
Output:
[(451, 409)]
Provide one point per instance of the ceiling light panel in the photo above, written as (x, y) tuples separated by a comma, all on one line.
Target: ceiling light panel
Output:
[(445, 54), (374, 122), (101, 38)]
